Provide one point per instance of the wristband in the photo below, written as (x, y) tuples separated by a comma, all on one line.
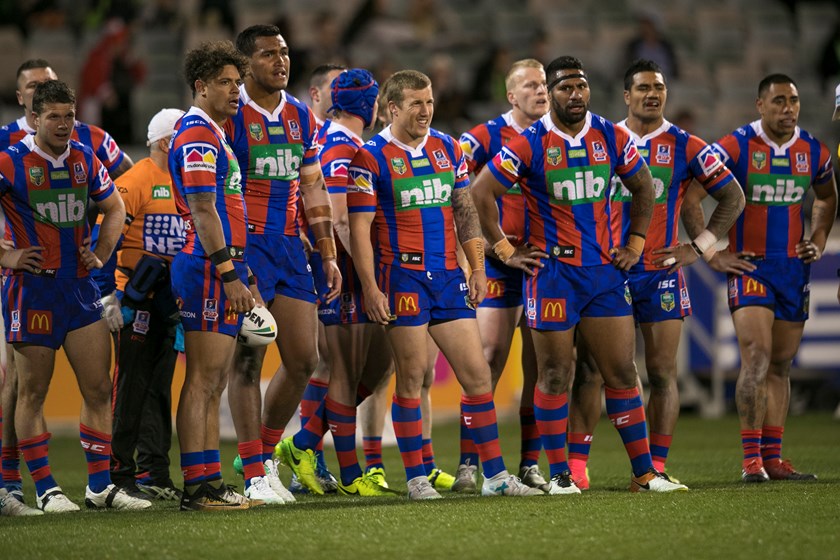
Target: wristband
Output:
[(705, 241), (504, 250), (707, 256), (326, 246), (636, 242), (220, 256), (252, 280), (474, 250), (230, 276), (696, 249)]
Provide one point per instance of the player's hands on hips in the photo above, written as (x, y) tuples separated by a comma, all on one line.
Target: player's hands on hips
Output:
[(478, 287), (112, 311), (808, 251), (333, 276), (239, 297), (88, 257), (732, 263), (624, 258), (674, 258), (28, 259), (376, 306), (527, 258)]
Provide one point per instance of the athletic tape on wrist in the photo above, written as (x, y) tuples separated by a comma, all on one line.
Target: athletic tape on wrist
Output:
[(705, 241), (504, 250), (474, 251)]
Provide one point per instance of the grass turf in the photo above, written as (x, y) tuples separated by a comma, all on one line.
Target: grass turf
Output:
[(719, 518)]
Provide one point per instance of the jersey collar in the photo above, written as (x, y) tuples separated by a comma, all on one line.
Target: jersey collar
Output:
[(29, 140), (640, 140), (389, 137), (335, 127), (576, 140), (273, 116), (200, 112), (511, 122), (777, 150), (23, 125)]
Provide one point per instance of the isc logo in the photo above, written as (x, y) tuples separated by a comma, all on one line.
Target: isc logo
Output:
[(271, 162), (64, 210), (665, 284)]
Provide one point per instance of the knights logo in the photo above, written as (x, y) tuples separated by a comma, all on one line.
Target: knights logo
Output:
[(294, 130), (759, 160), (36, 175), (399, 165), (666, 301), (627, 296), (663, 154), (598, 151), (802, 162), (441, 159), (256, 131), (554, 156)]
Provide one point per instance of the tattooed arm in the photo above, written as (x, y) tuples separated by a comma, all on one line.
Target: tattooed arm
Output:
[(469, 234), (640, 185), (822, 218)]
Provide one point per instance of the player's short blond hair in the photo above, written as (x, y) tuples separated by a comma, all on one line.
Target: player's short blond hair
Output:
[(397, 83), (516, 66)]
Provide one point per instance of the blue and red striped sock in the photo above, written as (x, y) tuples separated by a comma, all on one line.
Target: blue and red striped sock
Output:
[(530, 435), (36, 454), (405, 414), (751, 442), (552, 417), (311, 433), (311, 403), (341, 419), (660, 444), (192, 467), (480, 416), (625, 410), (771, 444), (97, 446), (10, 457), (579, 446), (469, 452), (373, 452), (428, 456), (212, 465), (251, 454), (270, 438), (143, 478)]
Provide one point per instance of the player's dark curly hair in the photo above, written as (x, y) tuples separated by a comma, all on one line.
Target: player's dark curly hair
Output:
[(640, 65), (392, 89), (246, 41), (209, 59), (556, 66), (765, 84), (51, 91)]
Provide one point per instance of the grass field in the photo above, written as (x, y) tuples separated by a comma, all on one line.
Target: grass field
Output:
[(719, 518)]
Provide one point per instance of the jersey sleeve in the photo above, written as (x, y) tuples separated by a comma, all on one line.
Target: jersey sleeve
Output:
[(706, 166), (106, 148), (310, 143), (629, 160), (474, 150), (462, 170), (100, 186), (196, 152), (512, 162), (728, 150), (7, 173), (363, 174), (826, 169), (335, 161)]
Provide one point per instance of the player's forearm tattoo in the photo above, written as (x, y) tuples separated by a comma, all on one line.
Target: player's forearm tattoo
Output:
[(640, 186), (824, 210), (730, 201), (466, 216)]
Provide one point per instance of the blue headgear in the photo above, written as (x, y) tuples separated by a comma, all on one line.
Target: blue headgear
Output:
[(354, 91)]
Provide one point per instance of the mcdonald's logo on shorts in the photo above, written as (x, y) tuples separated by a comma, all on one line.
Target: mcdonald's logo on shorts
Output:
[(231, 316), (495, 289), (407, 304), (553, 310), (753, 287), (39, 322)]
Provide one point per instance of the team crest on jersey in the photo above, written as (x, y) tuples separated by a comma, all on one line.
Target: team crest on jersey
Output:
[(141, 322), (362, 180), (211, 310), (598, 151), (79, 173), (509, 162), (685, 301), (398, 164), (348, 305), (663, 154), (440, 159), (256, 131), (666, 301), (802, 162), (200, 157), (15, 326), (294, 130), (554, 156), (628, 297), (532, 308), (759, 160), (338, 167), (36, 175)]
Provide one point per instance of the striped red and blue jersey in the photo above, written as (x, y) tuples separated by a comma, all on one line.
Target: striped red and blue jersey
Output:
[(566, 182), (102, 143), (410, 190), (271, 149), (674, 158), (45, 201), (337, 146), (479, 145), (775, 180), (200, 161)]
